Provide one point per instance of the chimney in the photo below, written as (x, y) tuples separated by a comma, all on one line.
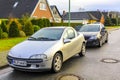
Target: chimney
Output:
[(64, 12)]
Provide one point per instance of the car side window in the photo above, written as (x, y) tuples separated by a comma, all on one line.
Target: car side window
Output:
[(66, 35), (71, 34)]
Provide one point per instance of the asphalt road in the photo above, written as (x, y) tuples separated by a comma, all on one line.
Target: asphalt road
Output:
[(89, 67)]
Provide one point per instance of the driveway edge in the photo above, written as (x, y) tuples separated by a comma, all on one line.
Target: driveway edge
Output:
[(2, 67)]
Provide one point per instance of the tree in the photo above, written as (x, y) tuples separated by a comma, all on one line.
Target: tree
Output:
[(28, 28), (114, 21), (0, 32), (13, 30), (3, 26), (108, 21)]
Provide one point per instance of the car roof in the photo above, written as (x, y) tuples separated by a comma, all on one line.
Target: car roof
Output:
[(95, 24), (58, 27)]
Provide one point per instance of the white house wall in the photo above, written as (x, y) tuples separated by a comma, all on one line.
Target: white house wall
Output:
[(77, 21)]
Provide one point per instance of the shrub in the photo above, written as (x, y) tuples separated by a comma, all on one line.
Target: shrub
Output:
[(38, 22), (22, 34), (17, 23), (108, 22), (4, 35), (66, 24), (0, 32), (36, 28), (3, 26), (13, 30), (45, 22), (28, 28)]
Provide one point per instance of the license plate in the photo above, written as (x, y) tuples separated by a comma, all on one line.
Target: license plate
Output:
[(19, 63)]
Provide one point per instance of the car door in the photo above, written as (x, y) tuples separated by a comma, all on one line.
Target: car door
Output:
[(70, 47), (103, 34)]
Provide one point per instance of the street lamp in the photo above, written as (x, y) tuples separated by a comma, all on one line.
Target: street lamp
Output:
[(69, 14)]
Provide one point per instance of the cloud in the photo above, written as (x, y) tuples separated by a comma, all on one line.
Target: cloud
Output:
[(87, 4)]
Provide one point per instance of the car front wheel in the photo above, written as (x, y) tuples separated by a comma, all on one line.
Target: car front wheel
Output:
[(57, 63), (83, 50)]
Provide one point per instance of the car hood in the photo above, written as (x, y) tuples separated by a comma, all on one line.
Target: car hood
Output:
[(29, 48), (89, 33)]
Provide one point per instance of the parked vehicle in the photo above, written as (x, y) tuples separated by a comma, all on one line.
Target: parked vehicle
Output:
[(47, 49), (95, 34), (77, 28)]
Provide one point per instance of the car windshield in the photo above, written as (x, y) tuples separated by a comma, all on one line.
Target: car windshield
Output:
[(47, 34), (90, 28)]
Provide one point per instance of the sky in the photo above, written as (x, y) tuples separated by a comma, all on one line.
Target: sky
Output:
[(86, 5)]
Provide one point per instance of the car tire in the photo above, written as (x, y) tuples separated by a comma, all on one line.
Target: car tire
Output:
[(83, 50), (106, 41), (57, 63)]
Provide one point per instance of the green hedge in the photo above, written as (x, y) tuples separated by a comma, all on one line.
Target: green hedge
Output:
[(3, 26), (26, 26), (65, 24), (41, 22), (0, 32)]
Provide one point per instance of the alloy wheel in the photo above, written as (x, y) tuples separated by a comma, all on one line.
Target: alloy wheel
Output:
[(57, 63)]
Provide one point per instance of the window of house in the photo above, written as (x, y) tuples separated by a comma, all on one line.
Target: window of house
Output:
[(43, 6), (54, 12)]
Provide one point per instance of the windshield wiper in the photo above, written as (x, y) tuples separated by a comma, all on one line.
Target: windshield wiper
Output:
[(31, 38), (44, 38)]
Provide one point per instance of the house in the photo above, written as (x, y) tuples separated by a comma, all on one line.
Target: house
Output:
[(56, 15), (86, 17), (18, 8), (79, 17), (99, 15), (114, 14)]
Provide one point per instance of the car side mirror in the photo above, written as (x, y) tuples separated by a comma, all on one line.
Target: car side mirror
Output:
[(67, 41)]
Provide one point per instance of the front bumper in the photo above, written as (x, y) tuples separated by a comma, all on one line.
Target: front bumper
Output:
[(92, 42), (32, 65)]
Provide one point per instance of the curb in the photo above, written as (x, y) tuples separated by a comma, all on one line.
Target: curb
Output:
[(5, 66)]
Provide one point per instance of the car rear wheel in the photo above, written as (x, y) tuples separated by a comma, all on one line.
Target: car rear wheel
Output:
[(83, 50), (106, 41), (57, 63)]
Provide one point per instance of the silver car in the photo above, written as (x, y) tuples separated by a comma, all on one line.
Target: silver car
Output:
[(47, 49)]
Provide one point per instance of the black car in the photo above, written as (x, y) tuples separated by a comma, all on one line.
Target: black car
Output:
[(95, 34), (77, 28)]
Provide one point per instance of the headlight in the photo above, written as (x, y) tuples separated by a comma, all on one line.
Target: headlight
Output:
[(93, 37), (39, 56)]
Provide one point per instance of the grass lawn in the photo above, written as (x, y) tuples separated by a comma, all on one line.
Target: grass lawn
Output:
[(6, 44), (3, 60), (109, 28)]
